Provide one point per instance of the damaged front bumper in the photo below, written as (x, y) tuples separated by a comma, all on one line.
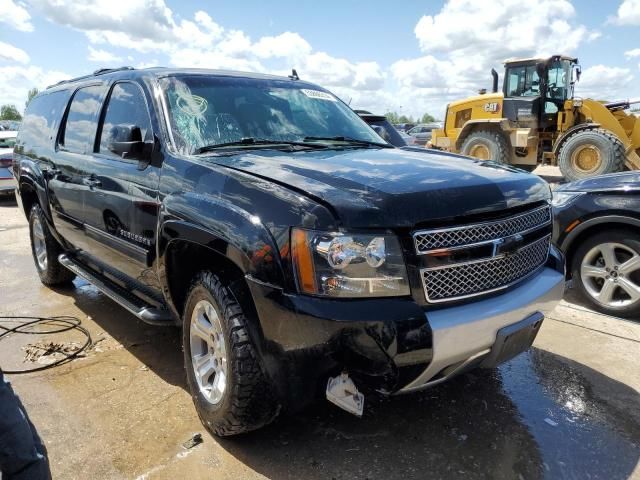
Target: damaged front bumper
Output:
[(395, 345)]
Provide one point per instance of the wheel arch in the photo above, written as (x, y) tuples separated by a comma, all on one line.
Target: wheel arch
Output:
[(591, 227), (184, 249)]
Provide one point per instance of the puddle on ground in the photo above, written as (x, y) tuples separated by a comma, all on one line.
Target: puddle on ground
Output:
[(578, 435)]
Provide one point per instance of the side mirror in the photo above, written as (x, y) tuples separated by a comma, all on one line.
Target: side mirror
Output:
[(126, 142)]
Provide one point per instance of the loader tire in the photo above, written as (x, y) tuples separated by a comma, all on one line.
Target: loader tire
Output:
[(487, 145), (591, 152)]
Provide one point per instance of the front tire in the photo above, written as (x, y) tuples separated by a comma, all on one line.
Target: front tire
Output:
[(45, 250), (606, 272), (487, 145), (229, 389), (591, 152)]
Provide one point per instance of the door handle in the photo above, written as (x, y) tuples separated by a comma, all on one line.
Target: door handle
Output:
[(91, 182), (52, 173)]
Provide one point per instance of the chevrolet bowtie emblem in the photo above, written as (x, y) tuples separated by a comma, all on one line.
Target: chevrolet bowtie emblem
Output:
[(508, 245)]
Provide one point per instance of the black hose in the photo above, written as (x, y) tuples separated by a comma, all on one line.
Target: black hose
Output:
[(65, 323)]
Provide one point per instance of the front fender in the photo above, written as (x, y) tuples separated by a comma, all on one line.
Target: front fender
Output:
[(224, 228), (592, 222)]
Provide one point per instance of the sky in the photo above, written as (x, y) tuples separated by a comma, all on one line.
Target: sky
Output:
[(410, 57)]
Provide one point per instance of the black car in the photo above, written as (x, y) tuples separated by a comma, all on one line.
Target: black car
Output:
[(597, 225), (299, 252)]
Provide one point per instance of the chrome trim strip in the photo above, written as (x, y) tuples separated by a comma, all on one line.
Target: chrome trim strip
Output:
[(492, 290), (479, 225)]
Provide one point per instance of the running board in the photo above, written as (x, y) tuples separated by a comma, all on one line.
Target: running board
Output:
[(145, 312)]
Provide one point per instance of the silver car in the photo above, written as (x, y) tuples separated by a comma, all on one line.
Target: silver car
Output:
[(7, 181), (422, 132)]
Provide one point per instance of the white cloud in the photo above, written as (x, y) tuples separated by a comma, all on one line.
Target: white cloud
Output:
[(628, 13), (150, 19), (632, 53), (15, 15), (17, 80), (13, 54), (503, 27), (201, 42), (459, 43), (605, 83), (466, 38), (102, 56), (287, 44)]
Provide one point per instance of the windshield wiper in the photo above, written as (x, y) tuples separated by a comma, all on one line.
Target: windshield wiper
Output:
[(250, 141), (353, 141)]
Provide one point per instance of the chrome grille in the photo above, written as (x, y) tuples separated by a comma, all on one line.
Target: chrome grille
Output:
[(482, 232), (482, 276)]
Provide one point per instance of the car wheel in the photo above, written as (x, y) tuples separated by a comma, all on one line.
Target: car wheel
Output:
[(606, 272), (229, 389), (45, 250), (487, 145)]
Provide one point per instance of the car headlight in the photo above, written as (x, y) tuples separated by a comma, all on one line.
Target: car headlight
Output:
[(348, 265), (561, 199)]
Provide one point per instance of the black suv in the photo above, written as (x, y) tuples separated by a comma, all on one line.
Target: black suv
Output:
[(298, 251)]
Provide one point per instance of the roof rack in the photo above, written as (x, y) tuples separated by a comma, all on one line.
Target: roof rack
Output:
[(100, 71)]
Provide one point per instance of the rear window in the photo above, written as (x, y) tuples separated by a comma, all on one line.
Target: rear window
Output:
[(41, 120), (79, 132)]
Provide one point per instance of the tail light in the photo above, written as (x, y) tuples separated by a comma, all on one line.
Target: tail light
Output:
[(6, 162)]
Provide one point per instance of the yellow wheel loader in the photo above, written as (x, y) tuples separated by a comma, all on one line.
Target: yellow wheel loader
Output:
[(536, 118)]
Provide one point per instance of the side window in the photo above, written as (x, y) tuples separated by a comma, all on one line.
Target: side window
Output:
[(523, 82), (79, 132), (41, 120), (126, 112)]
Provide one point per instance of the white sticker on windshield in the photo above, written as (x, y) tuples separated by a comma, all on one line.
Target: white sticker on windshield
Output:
[(319, 95)]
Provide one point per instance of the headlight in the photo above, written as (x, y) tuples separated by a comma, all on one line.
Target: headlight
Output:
[(561, 199), (348, 265)]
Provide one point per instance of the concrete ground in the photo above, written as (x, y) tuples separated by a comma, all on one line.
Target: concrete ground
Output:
[(569, 408)]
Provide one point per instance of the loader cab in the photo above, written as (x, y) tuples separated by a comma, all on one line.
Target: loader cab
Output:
[(535, 89)]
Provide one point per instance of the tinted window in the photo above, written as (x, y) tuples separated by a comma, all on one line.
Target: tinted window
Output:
[(80, 128), (41, 119), (126, 109), (389, 133), (523, 81)]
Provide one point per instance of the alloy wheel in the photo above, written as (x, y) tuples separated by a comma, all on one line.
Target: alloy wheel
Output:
[(39, 244), (208, 351), (610, 273)]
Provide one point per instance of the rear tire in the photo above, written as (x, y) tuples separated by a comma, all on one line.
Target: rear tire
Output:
[(591, 152), (593, 267), (487, 145), (45, 250), (231, 394)]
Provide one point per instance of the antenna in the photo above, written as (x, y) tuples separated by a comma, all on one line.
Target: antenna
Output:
[(294, 75)]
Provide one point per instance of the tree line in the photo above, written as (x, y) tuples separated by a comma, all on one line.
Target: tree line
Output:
[(394, 117)]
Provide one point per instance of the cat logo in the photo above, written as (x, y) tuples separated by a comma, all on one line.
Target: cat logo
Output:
[(492, 107)]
